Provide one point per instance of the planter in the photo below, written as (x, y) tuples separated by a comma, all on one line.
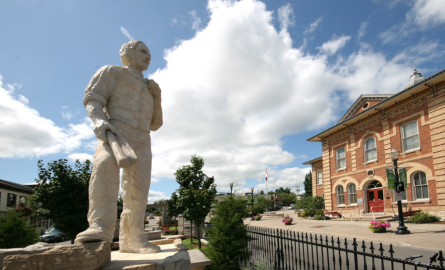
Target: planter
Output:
[(288, 223), (381, 230)]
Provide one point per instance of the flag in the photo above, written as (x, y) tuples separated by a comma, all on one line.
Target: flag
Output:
[(266, 174)]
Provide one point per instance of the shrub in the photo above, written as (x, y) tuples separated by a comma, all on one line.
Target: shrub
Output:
[(189, 244), (303, 214), (317, 217), (378, 226), (422, 217), (228, 245), (258, 265), (311, 205), (15, 232)]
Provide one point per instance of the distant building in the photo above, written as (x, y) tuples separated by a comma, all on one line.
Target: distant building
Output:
[(10, 194), (351, 174)]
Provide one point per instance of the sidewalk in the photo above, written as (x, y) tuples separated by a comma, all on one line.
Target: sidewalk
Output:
[(426, 236)]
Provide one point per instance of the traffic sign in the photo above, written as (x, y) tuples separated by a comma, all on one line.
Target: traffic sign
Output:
[(398, 196), (399, 187)]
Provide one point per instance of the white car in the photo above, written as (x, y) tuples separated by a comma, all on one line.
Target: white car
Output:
[(291, 207)]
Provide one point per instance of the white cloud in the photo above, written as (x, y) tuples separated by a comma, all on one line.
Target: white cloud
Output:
[(313, 26), (423, 15), (196, 20), (80, 156), (238, 86), (334, 44), (362, 29), (67, 114), (24, 133), (154, 196), (286, 16)]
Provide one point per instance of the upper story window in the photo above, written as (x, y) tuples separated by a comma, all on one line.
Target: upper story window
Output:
[(11, 202), (420, 186), (410, 136), (352, 194), (319, 178), (340, 195), (341, 158), (370, 150)]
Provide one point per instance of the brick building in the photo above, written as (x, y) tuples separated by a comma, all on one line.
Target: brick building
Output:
[(351, 174)]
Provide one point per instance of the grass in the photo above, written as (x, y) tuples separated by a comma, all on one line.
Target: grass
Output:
[(194, 244)]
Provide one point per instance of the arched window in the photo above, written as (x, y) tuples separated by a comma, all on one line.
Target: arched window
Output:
[(375, 184), (340, 195), (352, 194), (420, 186), (370, 150)]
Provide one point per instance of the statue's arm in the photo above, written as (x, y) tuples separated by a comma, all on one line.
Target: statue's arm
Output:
[(155, 90), (101, 123)]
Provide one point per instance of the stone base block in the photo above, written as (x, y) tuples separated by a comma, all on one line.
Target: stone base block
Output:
[(90, 256)]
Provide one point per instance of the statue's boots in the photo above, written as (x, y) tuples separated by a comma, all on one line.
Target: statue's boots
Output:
[(93, 234), (137, 245)]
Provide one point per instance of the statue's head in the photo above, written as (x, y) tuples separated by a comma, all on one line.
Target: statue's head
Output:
[(135, 54)]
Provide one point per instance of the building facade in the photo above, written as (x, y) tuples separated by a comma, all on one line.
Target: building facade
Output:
[(351, 173)]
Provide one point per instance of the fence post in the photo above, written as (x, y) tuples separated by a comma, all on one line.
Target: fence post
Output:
[(354, 244)]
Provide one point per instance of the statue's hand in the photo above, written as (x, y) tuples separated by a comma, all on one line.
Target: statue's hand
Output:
[(100, 129), (154, 88)]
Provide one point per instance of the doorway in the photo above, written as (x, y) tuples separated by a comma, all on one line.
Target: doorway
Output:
[(376, 202)]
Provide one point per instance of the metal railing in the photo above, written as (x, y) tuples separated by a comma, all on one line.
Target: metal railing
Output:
[(283, 249)]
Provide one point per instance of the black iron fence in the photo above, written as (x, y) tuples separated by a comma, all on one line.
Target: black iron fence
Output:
[(283, 249)]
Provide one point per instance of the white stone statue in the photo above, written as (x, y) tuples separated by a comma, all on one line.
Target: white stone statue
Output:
[(124, 107)]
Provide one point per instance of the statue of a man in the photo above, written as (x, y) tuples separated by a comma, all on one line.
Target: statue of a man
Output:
[(121, 101)]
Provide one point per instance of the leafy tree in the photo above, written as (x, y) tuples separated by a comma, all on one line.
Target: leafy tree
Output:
[(262, 204), (271, 192), (120, 206), (228, 243), (63, 191), (282, 190), (262, 192), (287, 198), (195, 195), (15, 232), (311, 205), (308, 184)]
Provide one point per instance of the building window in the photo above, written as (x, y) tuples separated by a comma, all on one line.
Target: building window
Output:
[(352, 194), (370, 150), (420, 186), (340, 195), (319, 178), (341, 158), (11, 200), (410, 136)]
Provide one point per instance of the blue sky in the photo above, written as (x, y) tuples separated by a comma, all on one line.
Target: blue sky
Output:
[(244, 83)]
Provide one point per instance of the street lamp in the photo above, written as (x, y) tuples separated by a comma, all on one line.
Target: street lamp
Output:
[(22, 201), (231, 187), (402, 229)]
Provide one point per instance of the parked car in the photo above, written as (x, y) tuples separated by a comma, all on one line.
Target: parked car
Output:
[(53, 235), (275, 208), (291, 207)]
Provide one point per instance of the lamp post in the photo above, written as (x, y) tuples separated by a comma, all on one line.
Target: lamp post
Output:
[(22, 201), (231, 187), (402, 229)]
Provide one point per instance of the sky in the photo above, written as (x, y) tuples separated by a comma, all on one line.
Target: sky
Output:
[(244, 83)]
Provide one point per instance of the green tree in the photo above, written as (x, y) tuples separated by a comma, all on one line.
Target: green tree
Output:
[(195, 195), (228, 243), (262, 204), (262, 192), (63, 191), (282, 190), (288, 198), (311, 205), (308, 184), (120, 206), (15, 232)]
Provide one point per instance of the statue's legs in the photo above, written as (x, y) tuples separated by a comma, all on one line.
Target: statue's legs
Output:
[(135, 185), (103, 192)]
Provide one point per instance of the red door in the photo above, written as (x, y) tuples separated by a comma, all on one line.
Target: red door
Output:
[(375, 200)]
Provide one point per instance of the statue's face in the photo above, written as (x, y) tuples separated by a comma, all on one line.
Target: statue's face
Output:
[(141, 57)]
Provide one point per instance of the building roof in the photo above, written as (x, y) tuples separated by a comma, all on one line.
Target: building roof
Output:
[(16, 187), (358, 103), (313, 161), (417, 87)]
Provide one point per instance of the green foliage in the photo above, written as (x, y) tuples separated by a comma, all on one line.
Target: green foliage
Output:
[(195, 195), (262, 204), (15, 232), (287, 198), (262, 192), (317, 217), (63, 191), (120, 206), (282, 190), (311, 205), (228, 242), (422, 217), (258, 265), (308, 184)]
